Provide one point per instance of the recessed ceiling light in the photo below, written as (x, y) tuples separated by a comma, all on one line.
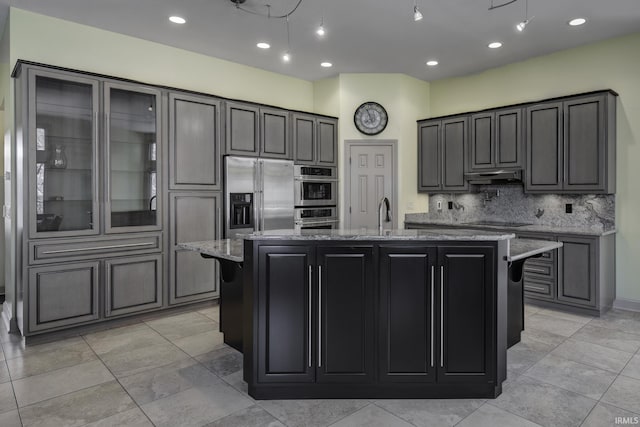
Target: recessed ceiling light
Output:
[(326, 64), (177, 19), (494, 45), (263, 45), (577, 21), (432, 63)]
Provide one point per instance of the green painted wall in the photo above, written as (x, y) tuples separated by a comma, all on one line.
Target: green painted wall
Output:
[(613, 64), (67, 44)]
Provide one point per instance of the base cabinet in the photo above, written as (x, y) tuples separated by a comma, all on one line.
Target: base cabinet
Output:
[(132, 284), (63, 295), (323, 326)]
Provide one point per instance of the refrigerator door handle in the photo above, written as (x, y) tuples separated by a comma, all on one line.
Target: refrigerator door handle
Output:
[(256, 197)]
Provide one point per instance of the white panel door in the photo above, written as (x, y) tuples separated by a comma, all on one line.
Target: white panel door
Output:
[(370, 179)]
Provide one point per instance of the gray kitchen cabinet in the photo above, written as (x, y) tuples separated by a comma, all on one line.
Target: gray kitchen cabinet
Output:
[(315, 140), (132, 284), (495, 140), (442, 146), (133, 161), (242, 129), (257, 131), (577, 270), (63, 295), (194, 216), (571, 145), (194, 142), (275, 140), (327, 141)]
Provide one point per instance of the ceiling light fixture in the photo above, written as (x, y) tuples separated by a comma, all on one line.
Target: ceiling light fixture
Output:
[(177, 19), (287, 55), (320, 31), (494, 45), (432, 63), (521, 26), (577, 22), (417, 15), (263, 45), (326, 64)]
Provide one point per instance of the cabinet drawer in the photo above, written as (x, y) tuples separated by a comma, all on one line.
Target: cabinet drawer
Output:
[(40, 252), (540, 269), (538, 288)]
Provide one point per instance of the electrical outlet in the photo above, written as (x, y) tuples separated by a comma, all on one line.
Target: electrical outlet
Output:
[(450, 205), (439, 205), (568, 208)]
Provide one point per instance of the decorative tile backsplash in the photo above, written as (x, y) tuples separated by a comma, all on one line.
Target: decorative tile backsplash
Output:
[(509, 203)]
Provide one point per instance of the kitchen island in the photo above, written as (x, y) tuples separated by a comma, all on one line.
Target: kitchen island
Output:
[(363, 314)]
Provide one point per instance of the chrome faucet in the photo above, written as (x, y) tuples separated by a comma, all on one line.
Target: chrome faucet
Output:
[(383, 201)]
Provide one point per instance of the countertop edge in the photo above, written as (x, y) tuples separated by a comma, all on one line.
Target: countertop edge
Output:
[(548, 245), (524, 229)]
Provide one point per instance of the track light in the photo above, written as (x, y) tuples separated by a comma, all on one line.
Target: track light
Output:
[(320, 31), (521, 26), (286, 57), (417, 15)]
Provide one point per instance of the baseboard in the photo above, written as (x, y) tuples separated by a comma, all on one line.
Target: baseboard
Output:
[(627, 304)]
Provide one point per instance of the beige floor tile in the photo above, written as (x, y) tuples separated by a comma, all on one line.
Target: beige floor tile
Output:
[(212, 313), (4, 372), (10, 419), (131, 418), (196, 345), (224, 361), (633, 368), (183, 325), (7, 398), (254, 416), (78, 408), (569, 375), (312, 412), (196, 406), (124, 362), (371, 416), (126, 338), (561, 314), (167, 380), (604, 415), (431, 412), (608, 338), (45, 386), (20, 349), (49, 358), (593, 355), (491, 416), (550, 323)]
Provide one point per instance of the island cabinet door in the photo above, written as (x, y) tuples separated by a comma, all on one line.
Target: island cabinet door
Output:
[(466, 306), (285, 324), (345, 328), (406, 316)]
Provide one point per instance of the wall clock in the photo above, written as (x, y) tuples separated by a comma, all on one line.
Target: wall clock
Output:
[(370, 118)]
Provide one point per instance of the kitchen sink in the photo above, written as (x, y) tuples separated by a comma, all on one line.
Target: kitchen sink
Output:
[(498, 223)]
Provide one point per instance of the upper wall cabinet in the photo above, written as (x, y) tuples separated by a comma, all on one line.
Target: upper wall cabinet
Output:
[(315, 140), (496, 140), (194, 142), (442, 146), (254, 131), (571, 145)]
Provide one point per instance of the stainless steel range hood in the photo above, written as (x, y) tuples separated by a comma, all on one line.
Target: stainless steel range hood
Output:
[(494, 177)]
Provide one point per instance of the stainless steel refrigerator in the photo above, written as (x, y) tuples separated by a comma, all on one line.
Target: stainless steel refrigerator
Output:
[(258, 195)]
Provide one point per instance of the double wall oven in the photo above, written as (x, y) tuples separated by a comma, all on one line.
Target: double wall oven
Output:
[(316, 197)]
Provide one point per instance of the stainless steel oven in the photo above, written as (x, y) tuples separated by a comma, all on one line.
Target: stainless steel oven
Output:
[(315, 186), (316, 218)]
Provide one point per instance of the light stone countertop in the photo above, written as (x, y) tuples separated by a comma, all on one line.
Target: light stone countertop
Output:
[(525, 248), (533, 228), (228, 249), (373, 234)]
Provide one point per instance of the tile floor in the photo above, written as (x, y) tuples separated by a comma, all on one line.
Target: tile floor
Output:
[(569, 370)]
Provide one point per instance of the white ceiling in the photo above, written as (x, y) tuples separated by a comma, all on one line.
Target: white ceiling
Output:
[(363, 36)]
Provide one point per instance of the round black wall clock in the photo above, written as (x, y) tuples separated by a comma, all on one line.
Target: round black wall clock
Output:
[(370, 118)]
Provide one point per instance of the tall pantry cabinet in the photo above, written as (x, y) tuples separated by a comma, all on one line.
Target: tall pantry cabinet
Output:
[(99, 197)]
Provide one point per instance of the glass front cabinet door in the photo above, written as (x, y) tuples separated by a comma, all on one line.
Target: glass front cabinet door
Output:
[(63, 155), (132, 158)]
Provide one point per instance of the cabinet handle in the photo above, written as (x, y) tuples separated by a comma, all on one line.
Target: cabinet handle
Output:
[(309, 316), (536, 288), (319, 316), (432, 307), (442, 316), (95, 248), (537, 270)]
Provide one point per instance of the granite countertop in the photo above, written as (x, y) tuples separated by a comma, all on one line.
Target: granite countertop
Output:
[(533, 228), (228, 249), (525, 248), (371, 234)]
